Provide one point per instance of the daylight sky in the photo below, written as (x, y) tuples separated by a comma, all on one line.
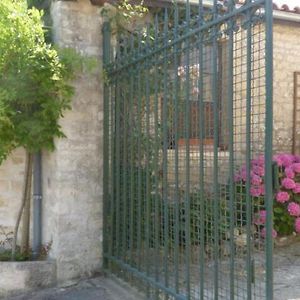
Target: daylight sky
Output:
[(290, 3)]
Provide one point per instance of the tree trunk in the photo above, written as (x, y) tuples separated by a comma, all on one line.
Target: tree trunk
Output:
[(27, 179), (26, 214)]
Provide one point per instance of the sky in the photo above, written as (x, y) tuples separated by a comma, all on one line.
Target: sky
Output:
[(290, 3)]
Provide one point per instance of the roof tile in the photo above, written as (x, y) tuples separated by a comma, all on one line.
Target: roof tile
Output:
[(291, 8)]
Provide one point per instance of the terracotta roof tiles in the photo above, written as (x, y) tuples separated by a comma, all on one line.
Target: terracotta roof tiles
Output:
[(293, 7)]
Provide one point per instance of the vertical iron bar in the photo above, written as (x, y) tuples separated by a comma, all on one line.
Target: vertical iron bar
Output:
[(230, 67), (148, 162), (118, 152), (132, 162), (248, 151), (201, 152), (165, 152), (139, 157), (176, 137), (216, 150), (157, 160), (124, 169), (187, 156), (106, 141), (112, 167), (269, 147)]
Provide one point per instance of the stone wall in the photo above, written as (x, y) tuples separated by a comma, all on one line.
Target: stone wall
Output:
[(11, 182), (72, 175), (286, 62), (22, 277)]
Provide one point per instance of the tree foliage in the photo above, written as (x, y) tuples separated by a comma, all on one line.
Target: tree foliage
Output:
[(34, 89)]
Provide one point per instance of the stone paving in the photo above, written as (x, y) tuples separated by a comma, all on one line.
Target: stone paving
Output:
[(286, 283), (287, 272), (100, 288)]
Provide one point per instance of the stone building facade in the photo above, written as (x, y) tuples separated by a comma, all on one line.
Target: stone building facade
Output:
[(286, 63), (72, 175)]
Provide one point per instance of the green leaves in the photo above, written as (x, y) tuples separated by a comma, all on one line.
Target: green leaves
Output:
[(34, 88)]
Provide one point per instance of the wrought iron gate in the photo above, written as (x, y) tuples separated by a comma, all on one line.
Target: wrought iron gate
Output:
[(187, 152)]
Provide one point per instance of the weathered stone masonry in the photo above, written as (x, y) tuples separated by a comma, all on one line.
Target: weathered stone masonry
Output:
[(286, 62), (72, 175)]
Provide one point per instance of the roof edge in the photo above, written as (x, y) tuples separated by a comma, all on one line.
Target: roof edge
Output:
[(280, 13)]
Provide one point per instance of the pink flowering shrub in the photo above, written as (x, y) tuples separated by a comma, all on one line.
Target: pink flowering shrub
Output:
[(286, 199)]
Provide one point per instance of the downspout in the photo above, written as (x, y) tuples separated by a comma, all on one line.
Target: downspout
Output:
[(37, 205)]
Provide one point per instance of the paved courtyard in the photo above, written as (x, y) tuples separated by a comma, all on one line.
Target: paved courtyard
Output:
[(286, 283), (100, 288)]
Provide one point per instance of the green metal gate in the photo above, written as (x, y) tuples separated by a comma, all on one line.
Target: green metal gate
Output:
[(188, 151)]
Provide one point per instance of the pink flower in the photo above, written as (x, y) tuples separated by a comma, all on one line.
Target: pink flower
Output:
[(243, 175), (294, 209), (264, 233), (256, 191), (258, 170), (259, 161), (256, 180), (284, 159), (282, 197), (237, 177), (297, 225), (289, 172), (287, 159), (296, 189), (260, 218), (296, 167), (288, 183), (278, 160)]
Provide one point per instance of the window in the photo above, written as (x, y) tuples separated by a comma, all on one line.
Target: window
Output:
[(194, 98)]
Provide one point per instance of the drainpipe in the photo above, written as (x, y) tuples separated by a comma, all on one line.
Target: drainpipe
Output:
[(37, 205)]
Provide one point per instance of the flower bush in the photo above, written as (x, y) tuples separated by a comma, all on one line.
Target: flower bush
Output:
[(286, 199)]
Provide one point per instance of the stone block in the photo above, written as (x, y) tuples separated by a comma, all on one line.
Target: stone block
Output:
[(20, 277)]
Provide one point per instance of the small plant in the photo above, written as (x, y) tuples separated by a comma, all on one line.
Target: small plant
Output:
[(286, 206), (6, 238), (5, 252), (125, 16), (287, 198)]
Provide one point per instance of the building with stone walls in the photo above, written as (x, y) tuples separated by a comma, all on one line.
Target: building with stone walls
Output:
[(72, 176)]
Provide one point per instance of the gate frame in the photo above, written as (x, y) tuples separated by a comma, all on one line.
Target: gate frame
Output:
[(269, 169), (269, 148)]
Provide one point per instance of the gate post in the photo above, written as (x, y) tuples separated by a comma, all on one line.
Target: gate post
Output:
[(269, 147)]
